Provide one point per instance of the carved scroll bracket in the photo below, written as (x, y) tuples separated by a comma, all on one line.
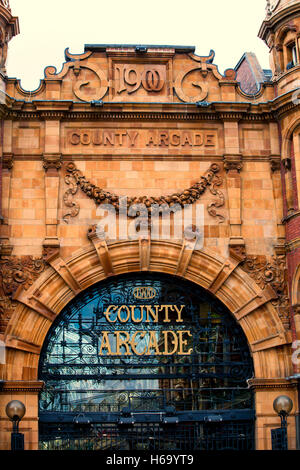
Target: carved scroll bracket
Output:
[(52, 161), (7, 161), (15, 273), (271, 273)]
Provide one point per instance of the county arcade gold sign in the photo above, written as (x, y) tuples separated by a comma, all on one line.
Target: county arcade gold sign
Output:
[(145, 341)]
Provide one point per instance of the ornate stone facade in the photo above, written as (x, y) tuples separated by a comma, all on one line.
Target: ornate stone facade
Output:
[(125, 122)]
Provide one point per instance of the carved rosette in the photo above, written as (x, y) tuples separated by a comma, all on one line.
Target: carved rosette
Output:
[(273, 273), (75, 179)]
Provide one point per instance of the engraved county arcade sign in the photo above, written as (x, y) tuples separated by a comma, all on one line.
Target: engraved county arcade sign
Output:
[(155, 329)]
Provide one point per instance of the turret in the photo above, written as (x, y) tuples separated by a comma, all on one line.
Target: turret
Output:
[(281, 32), (9, 27)]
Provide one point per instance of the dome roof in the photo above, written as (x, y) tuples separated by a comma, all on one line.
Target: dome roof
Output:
[(274, 6), (5, 3)]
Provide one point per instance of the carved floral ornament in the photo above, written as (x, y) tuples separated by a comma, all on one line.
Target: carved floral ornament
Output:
[(15, 272), (211, 180), (274, 273)]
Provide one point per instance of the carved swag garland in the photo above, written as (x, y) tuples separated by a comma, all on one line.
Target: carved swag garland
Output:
[(75, 179)]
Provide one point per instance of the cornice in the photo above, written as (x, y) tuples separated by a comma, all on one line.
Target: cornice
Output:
[(272, 110), (271, 383), (292, 245), (291, 216), (21, 386), (61, 110)]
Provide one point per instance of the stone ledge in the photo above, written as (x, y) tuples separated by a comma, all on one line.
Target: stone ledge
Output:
[(21, 386)]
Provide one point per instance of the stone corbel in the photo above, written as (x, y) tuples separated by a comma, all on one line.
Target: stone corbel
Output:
[(34, 302), (52, 161), (233, 164), (50, 250), (5, 249), (51, 256), (275, 164), (59, 265), (237, 249), (144, 249), (185, 256), (102, 250), (226, 270), (258, 300), (7, 161)]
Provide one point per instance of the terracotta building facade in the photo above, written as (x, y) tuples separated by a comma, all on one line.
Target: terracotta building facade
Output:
[(175, 323)]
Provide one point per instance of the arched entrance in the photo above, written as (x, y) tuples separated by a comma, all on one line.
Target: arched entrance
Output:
[(146, 361)]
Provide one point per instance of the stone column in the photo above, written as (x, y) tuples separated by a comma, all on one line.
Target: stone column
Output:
[(233, 166), (7, 167), (52, 165)]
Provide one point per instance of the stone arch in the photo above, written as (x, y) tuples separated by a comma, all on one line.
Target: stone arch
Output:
[(296, 287), (288, 136), (63, 280)]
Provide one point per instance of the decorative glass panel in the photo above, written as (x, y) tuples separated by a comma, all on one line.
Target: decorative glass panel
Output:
[(145, 342)]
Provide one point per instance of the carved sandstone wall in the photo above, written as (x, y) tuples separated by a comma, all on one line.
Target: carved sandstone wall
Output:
[(159, 125)]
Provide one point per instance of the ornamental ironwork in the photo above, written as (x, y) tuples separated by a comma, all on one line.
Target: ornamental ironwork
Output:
[(150, 368)]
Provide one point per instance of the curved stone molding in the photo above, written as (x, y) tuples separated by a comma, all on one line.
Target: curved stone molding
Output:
[(39, 306), (101, 90), (296, 287), (178, 86)]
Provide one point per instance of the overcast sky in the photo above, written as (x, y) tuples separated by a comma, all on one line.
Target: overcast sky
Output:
[(229, 27)]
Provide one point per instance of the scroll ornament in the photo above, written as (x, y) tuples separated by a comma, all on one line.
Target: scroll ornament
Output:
[(15, 272), (75, 180)]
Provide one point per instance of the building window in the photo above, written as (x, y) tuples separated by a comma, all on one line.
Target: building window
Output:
[(291, 56)]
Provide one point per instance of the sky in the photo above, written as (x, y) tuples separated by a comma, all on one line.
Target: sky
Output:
[(229, 27)]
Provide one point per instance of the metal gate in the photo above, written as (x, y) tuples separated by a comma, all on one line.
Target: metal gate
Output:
[(142, 393), (150, 437)]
